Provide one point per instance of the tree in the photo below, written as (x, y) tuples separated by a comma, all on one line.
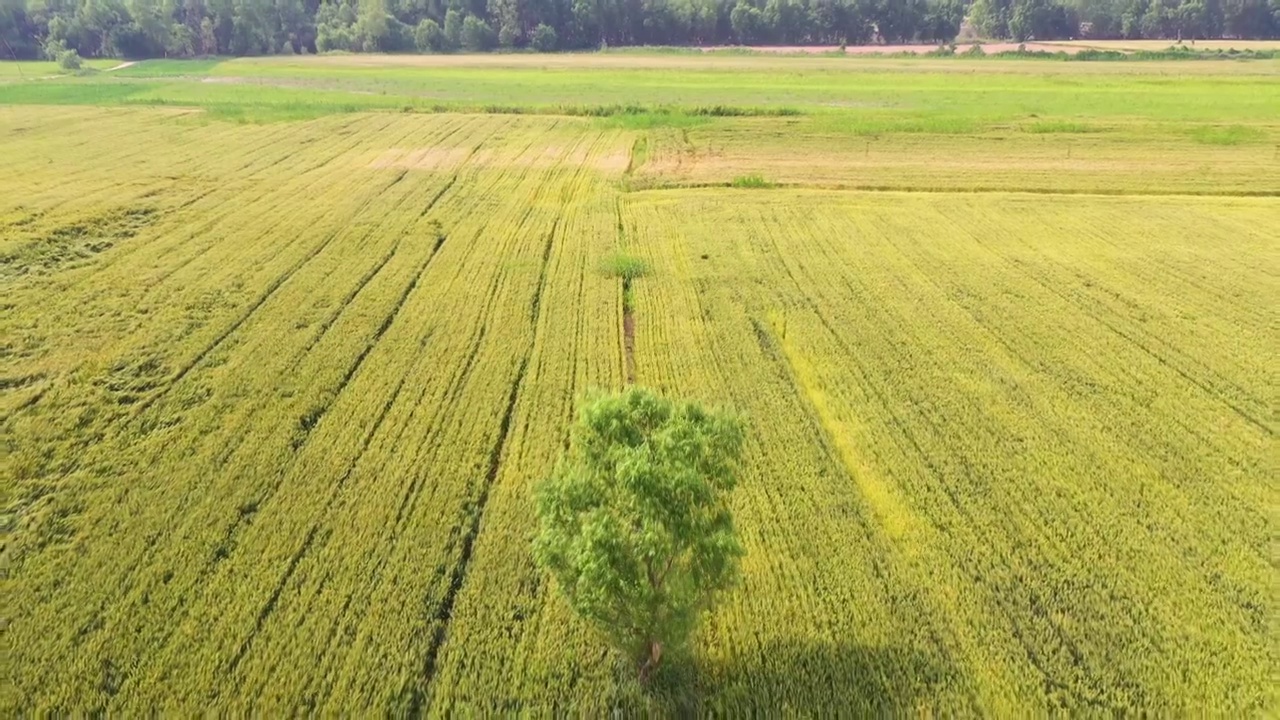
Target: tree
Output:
[(372, 27), (506, 15), (250, 29), (746, 21), (208, 41), (635, 525), (942, 20), (898, 20), (1032, 19), (428, 37), (477, 36), (18, 32), (181, 41), (990, 18), (452, 29), (543, 38)]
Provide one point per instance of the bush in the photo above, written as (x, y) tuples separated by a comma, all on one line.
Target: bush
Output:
[(69, 60), (477, 36), (751, 181), (975, 50), (622, 265), (429, 37), (544, 38)]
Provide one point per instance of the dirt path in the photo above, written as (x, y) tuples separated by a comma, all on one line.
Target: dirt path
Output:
[(629, 344), (122, 66)]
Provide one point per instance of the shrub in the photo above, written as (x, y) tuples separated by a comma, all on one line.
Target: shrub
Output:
[(622, 265), (751, 182), (69, 60)]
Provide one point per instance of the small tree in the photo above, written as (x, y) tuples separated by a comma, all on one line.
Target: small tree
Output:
[(635, 525)]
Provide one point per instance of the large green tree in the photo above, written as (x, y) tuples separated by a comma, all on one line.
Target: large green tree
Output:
[(635, 523)]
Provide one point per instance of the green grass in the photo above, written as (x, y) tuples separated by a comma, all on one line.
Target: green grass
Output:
[(1227, 135), (623, 265), (1051, 127), (170, 68), (869, 95), (750, 182), (884, 122), (11, 70)]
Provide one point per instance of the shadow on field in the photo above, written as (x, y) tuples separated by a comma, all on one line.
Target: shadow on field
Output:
[(813, 678)]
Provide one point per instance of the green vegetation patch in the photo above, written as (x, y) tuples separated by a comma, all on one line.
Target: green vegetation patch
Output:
[(624, 265), (1227, 134), (169, 68), (72, 91), (1066, 127), (751, 182)]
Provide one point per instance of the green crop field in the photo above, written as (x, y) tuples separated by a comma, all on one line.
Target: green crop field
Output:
[(286, 344)]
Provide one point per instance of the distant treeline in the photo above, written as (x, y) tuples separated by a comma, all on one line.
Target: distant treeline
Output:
[(181, 28)]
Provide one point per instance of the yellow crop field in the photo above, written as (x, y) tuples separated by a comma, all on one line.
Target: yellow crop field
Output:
[(273, 396)]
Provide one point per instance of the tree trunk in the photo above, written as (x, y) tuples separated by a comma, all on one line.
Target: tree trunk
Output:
[(651, 662)]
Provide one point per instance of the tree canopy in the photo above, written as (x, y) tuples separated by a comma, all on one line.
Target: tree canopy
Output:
[(183, 28), (635, 525)]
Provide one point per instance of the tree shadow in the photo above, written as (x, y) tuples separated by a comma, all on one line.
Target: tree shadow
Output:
[(813, 678)]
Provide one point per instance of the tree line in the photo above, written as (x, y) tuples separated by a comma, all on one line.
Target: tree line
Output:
[(184, 28)]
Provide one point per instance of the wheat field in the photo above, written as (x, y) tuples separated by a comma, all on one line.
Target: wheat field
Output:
[(275, 392)]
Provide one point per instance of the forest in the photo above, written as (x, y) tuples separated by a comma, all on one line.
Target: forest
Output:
[(31, 29)]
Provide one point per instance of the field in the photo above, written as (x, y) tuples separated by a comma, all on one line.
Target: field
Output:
[(287, 342)]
